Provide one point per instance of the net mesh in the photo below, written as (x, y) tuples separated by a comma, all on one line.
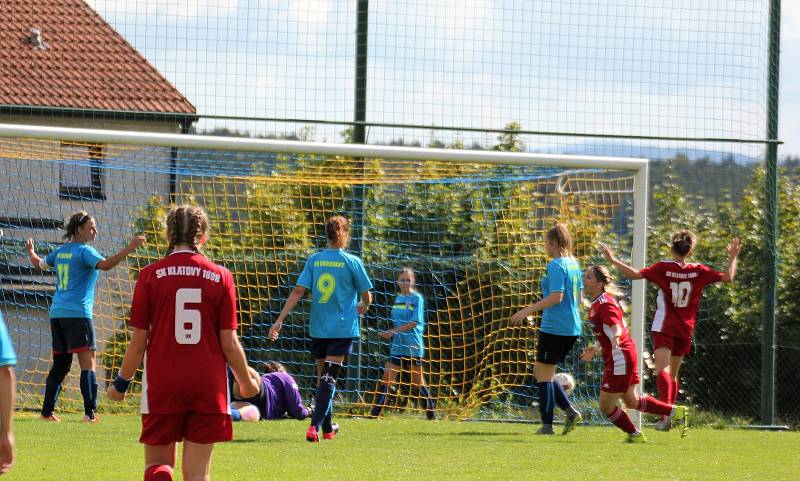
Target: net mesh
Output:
[(472, 233)]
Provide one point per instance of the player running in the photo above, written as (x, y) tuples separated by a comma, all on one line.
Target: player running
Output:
[(183, 316), (680, 286), (620, 376)]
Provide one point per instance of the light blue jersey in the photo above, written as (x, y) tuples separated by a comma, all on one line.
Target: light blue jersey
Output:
[(406, 309), (335, 279), (76, 275), (564, 275), (7, 355)]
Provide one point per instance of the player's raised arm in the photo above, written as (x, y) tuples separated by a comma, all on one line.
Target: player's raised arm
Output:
[(733, 248), (627, 270)]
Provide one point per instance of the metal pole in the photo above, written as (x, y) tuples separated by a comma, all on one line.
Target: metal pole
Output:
[(771, 227), (360, 137)]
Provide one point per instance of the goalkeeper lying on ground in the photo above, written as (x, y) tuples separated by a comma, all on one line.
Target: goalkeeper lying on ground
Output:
[(278, 396)]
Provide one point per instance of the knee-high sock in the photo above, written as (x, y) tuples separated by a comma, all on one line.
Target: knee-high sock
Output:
[(546, 402), (89, 391), (651, 405), (621, 420), (426, 393), (325, 392), (327, 423), (158, 472), (379, 400), (93, 386), (59, 370), (562, 400), (664, 386)]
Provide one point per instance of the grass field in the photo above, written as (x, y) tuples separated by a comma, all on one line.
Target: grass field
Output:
[(413, 449)]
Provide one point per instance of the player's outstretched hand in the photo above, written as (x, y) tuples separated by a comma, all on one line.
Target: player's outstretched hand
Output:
[(136, 242), (6, 452), (520, 317), (387, 335), (606, 251), (589, 353), (275, 331), (113, 394), (734, 247), (29, 246)]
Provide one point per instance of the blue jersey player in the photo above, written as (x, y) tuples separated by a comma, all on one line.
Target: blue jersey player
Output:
[(408, 346), (560, 326), (76, 264), (8, 359), (336, 280)]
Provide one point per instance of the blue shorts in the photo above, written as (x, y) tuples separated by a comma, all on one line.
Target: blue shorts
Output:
[(72, 334), (322, 348), (405, 361)]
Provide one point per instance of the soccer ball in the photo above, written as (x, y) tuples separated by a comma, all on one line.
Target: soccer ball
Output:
[(567, 381)]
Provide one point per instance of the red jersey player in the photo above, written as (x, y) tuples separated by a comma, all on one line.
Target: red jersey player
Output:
[(183, 315), (620, 375), (680, 288)]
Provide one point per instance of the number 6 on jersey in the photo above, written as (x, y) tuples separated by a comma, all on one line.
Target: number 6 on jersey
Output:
[(187, 321)]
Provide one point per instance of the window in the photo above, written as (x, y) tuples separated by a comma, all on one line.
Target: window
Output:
[(80, 175)]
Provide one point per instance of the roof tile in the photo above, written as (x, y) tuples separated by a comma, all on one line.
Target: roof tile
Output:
[(87, 65)]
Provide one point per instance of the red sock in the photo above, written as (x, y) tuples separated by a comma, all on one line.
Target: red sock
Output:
[(673, 391), (664, 386), (158, 472), (621, 420), (651, 405)]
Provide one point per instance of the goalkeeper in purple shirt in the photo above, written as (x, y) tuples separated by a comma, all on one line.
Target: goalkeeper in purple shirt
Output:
[(278, 397)]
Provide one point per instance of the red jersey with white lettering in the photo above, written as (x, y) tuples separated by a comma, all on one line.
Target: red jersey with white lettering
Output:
[(605, 313), (680, 290), (184, 300)]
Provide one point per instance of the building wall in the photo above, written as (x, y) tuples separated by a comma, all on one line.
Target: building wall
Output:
[(29, 172)]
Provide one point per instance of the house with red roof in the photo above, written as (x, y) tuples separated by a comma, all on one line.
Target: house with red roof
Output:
[(62, 64)]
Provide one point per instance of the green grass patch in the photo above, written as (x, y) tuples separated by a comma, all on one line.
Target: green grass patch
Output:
[(405, 448)]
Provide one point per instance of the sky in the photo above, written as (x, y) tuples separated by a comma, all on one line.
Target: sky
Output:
[(592, 66), (789, 103)]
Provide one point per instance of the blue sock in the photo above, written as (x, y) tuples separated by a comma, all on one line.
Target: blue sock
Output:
[(93, 386), (430, 406), (327, 423), (325, 390), (562, 400), (546, 402), (86, 392), (236, 415), (379, 400), (51, 391)]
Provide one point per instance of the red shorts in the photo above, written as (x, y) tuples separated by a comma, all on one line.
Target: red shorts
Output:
[(678, 346), (200, 428), (619, 383)]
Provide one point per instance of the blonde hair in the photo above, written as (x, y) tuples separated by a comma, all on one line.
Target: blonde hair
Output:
[(186, 224), (682, 242), (602, 274), (559, 236), (409, 271)]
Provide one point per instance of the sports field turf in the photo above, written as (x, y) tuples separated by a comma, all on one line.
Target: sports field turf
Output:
[(413, 449)]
